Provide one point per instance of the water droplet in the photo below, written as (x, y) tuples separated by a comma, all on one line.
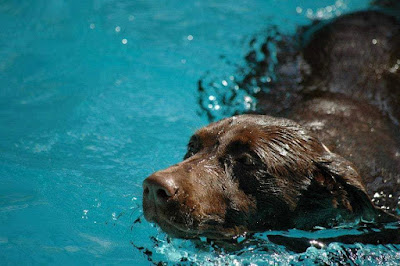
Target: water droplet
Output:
[(339, 3), (317, 244), (257, 89), (248, 99), (85, 212)]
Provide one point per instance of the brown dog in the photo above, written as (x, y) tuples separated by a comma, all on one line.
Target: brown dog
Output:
[(251, 173)]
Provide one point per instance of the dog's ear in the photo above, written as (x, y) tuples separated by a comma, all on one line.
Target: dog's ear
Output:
[(340, 177), (335, 194)]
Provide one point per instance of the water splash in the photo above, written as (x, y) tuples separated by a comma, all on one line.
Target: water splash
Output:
[(269, 67), (263, 249)]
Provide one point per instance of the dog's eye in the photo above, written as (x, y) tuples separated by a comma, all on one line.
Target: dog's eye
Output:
[(246, 160)]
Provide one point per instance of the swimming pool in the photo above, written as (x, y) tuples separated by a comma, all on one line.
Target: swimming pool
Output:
[(95, 96)]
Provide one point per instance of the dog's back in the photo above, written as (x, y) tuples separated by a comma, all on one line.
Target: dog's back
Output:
[(357, 55), (351, 96)]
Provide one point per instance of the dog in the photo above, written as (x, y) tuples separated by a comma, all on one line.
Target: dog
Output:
[(337, 146)]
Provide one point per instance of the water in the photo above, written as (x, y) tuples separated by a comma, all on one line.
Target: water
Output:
[(95, 96)]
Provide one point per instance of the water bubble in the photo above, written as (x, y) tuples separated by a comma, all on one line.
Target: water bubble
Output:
[(85, 212), (92, 26), (117, 29), (190, 37), (124, 41)]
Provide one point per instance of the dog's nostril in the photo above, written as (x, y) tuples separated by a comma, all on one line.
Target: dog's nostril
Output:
[(159, 188), (163, 194)]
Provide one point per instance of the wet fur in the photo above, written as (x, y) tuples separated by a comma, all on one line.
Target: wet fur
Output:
[(251, 173)]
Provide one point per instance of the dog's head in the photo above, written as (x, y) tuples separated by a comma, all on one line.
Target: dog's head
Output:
[(251, 173)]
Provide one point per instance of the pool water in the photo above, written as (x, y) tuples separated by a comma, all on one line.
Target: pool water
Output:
[(95, 96)]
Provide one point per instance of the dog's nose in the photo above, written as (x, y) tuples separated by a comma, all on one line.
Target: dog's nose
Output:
[(159, 188)]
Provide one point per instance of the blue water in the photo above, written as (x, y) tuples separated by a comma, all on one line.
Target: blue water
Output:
[(95, 96)]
